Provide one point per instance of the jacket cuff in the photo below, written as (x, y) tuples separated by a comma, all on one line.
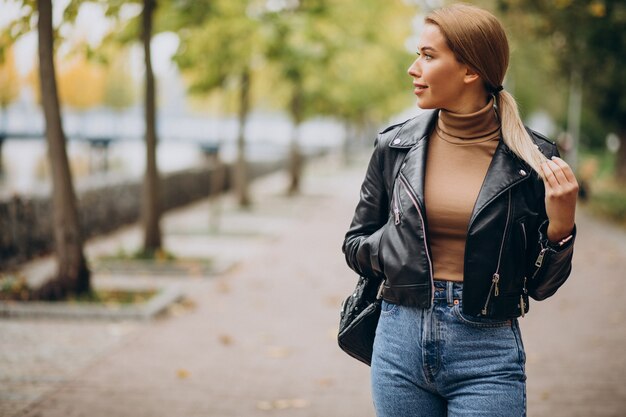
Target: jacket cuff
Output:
[(559, 246)]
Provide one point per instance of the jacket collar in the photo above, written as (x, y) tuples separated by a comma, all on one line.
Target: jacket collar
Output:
[(415, 129), (505, 169)]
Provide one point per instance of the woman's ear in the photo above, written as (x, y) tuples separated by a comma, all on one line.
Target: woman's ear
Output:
[(471, 76)]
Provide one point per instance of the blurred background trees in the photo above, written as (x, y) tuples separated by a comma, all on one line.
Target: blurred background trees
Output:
[(220, 42), (582, 43), (9, 84), (305, 59), (9, 89)]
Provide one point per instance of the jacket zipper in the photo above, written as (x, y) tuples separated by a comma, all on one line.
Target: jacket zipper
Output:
[(409, 192), (495, 280), (522, 303), (396, 207), (539, 261)]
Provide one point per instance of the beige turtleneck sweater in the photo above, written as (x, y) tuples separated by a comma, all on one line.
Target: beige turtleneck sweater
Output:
[(459, 153)]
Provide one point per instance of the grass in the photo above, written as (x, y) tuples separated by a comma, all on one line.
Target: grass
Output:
[(142, 255), (608, 200), (113, 296), (15, 288), (606, 196)]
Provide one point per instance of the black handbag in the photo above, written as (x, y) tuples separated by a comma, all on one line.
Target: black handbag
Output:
[(359, 318)]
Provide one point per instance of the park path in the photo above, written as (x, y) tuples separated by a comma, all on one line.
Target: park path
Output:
[(260, 339)]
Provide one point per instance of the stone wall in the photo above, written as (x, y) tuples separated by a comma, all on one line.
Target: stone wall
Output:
[(26, 222)]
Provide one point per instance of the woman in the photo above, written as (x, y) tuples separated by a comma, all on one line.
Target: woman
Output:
[(464, 213)]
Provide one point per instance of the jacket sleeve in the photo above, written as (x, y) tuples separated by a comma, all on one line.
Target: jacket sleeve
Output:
[(360, 245), (551, 264)]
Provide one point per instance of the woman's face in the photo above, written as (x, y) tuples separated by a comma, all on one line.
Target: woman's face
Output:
[(439, 79)]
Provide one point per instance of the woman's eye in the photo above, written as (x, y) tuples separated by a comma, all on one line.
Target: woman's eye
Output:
[(427, 57)]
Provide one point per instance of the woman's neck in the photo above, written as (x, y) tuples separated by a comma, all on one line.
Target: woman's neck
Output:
[(481, 124)]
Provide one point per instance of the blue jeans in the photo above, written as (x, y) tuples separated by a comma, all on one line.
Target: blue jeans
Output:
[(440, 362)]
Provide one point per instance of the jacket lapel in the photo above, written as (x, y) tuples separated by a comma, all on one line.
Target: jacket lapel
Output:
[(414, 134), (505, 170)]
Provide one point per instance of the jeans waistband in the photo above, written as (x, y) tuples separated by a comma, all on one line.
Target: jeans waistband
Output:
[(448, 290)]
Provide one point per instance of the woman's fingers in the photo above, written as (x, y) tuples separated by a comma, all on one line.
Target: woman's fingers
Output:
[(557, 173), (549, 178), (559, 179), (565, 168)]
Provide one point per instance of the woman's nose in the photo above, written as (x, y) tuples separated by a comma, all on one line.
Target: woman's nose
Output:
[(414, 69)]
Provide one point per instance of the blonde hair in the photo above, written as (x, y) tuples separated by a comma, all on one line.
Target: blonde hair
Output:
[(477, 39)]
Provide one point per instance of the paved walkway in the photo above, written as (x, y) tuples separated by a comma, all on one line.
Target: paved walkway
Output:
[(260, 340)]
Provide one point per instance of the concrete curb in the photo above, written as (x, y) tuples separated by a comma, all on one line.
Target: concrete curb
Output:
[(74, 311)]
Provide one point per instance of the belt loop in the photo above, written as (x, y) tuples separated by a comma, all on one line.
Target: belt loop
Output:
[(450, 292)]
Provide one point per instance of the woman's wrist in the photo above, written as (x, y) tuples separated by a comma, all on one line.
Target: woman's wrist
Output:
[(557, 233)]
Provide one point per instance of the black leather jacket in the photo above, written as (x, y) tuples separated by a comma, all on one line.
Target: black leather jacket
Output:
[(507, 254)]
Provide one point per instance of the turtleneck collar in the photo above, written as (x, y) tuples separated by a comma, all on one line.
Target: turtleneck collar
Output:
[(471, 128)]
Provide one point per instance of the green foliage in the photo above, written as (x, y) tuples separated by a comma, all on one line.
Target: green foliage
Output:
[(589, 36), (24, 23), (119, 90), (610, 204), (335, 57), (368, 77), (14, 287), (220, 48)]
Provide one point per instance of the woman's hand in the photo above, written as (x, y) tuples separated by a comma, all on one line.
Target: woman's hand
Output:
[(561, 194)]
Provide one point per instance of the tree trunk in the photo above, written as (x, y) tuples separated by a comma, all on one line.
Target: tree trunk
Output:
[(620, 163), (150, 209), (73, 274), (295, 157), (241, 167)]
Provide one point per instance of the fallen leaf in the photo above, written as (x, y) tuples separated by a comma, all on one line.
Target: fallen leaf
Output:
[(226, 340), (278, 352), (281, 404), (333, 332), (300, 403), (264, 405), (223, 287), (333, 301), (325, 382)]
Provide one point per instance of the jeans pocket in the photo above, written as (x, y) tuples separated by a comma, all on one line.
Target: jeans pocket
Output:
[(387, 308), (478, 321)]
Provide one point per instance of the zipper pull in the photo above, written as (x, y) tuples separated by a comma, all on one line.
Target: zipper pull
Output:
[(396, 208), (496, 279), (539, 260), (522, 305), (525, 289)]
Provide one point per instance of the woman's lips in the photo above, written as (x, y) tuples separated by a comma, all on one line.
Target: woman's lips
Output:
[(419, 88)]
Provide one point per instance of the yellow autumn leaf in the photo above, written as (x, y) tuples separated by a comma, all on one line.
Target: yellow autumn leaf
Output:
[(182, 373)]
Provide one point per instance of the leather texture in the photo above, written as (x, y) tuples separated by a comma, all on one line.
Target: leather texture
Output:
[(507, 256)]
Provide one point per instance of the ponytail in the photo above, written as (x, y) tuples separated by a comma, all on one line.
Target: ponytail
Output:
[(514, 133)]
